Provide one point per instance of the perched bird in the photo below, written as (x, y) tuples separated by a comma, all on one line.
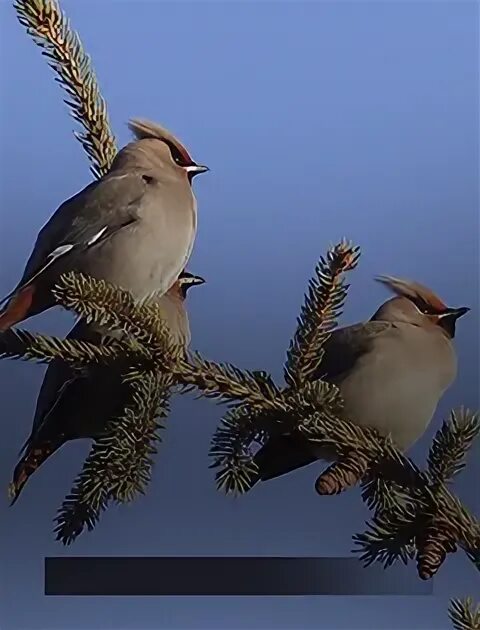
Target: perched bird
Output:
[(391, 372), (135, 227), (77, 403)]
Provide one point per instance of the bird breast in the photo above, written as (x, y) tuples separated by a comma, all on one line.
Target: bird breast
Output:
[(174, 314), (396, 387), (147, 257)]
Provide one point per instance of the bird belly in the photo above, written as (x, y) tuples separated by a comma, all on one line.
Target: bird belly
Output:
[(147, 257), (395, 397)]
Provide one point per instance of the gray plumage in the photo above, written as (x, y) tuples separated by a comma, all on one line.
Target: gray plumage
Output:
[(391, 372), (77, 403), (135, 227)]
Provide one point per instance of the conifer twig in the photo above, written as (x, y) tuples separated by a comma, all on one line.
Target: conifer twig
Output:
[(21, 344), (148, 408), (420, 516), (323, 303), (105, 305), (50, 29), (423, 514), (464, 615), (118, 467), (451, 443), (102, 303)]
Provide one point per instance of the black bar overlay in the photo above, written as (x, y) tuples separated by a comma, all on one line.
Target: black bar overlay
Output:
[(218, 575)]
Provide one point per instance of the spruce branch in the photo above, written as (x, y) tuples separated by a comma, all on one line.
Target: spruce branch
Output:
[(231, 449), (439, 522), (50, 29), (21, 344), (380, 494), (415, 513), (249, 423), (464, 615), (272, 409), (323, 303), (118, 467), (432, 522), (451, 443), (148, 408), (228, 383), (102, 303), (390, 537)]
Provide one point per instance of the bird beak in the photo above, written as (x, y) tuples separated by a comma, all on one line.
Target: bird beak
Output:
[(195, 169), (454, 313), (198, 280), (448, 319)]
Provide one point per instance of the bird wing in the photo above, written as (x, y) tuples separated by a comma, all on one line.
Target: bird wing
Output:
[(57, 383), (345, 347), (90, 217), (284, 453)]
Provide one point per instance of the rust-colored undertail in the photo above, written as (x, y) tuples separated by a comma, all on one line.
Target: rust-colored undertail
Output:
[(30, 462), (17, 308)]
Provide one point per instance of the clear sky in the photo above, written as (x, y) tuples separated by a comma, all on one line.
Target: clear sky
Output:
[(318, 120)]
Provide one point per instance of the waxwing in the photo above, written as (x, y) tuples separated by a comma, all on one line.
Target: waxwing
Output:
[(391, 372), (135, 227), (78, 403)]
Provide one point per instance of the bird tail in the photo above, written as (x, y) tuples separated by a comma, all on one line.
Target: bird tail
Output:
[(281, 455), (28, 464), (17, 308)]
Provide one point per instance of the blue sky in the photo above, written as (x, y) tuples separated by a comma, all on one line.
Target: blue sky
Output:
[(318, 120)]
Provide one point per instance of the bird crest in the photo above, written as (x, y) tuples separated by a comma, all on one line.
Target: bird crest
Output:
[(414, 291), (143, 129)]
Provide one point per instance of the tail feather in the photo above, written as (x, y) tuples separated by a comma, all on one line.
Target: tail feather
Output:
[(17, 308), (30, 462), (281, 455)]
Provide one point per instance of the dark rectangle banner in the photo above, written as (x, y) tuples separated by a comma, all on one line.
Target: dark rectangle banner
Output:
[(217, 575)]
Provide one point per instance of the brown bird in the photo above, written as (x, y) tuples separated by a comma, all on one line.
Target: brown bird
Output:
[(75, 403), (391, 372), (135, 227)]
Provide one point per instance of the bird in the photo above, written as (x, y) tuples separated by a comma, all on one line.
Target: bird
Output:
[(391, 372), (77, 403), (134, 227)]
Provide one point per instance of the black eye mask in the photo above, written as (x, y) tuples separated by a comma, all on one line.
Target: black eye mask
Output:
[(426, 308)]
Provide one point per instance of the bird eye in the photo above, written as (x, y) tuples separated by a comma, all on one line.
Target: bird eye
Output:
[(424, 307), (427, 309), (177, 156)]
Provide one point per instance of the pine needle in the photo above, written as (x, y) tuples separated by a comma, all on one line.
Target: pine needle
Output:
[(228, 383), (149, 407), (415, 513), (451, 444), (464, 615), (322, 306), (21, 344), (431, 518), (382, 495), (231, 452), (102, 303), (51, 31), (390, 537), (119, 464)]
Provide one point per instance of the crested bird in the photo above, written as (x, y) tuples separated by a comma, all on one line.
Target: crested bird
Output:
[(134, 227), (78, 403), (391, 372)]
